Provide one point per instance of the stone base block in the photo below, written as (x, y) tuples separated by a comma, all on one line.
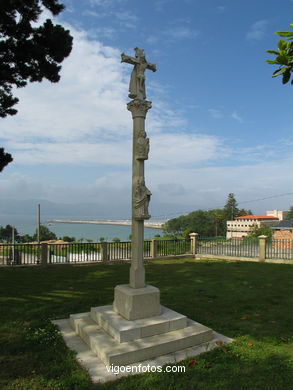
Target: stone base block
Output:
[(112, 352), (123, 330), (136, 303)]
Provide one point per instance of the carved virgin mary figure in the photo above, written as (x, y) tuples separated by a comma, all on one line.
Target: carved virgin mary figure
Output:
[(142, 196), (142, 146)]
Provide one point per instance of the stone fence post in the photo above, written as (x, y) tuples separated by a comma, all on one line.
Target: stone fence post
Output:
[(262, 248), (104, 250), (154, 248), (44, 254), (193, 238)]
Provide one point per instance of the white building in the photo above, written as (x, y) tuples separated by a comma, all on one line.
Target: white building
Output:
[(281, 215), (242, 226)]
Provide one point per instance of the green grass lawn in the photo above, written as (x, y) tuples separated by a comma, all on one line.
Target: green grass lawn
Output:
[(250, 302)]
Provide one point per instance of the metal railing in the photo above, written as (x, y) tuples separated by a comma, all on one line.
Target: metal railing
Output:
[(279, 249), (73, 253), (47, 253), (119, 250), (231, 247), (173, 247), (15, 254)]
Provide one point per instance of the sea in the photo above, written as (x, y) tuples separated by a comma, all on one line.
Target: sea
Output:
[(27, 225)]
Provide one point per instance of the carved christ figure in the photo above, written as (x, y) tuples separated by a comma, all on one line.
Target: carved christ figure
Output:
[(137, 79)]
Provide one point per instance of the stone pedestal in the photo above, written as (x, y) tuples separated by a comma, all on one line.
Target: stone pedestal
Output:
[(136, 303), (115, 340)]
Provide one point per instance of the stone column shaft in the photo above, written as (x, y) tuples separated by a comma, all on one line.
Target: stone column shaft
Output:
[(138, 109)]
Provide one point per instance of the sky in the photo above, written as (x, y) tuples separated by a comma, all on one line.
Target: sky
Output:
[(219, 122)]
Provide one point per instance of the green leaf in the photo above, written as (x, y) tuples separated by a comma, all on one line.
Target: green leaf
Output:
[(277, 72), (291, 25), (284, 33), (282, 59), (273, 52), (286, 76), (282, 45), (272, 62)]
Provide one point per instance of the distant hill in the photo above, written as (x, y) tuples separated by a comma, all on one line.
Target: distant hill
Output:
[(52, 210), (58, 210)]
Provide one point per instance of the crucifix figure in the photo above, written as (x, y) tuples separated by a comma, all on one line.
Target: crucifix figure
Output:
[(137, 80)]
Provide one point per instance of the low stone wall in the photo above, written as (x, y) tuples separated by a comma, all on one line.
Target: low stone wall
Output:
[(254, 259)]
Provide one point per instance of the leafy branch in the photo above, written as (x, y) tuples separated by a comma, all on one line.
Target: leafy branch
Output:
[(284, 56)]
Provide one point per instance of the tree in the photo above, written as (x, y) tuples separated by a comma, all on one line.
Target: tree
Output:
[(5, 159), (45, 234), (206, 223), (284, 56), (26, 238), (198, 221), (242, 212), (28, 52), (6, 233), (68, 239), (230, 207), (260, 231), (176, 225), (219, 221), (290, 213)]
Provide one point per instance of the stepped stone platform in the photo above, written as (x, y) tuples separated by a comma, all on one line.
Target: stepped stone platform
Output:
[(119, 342), (103, 338)]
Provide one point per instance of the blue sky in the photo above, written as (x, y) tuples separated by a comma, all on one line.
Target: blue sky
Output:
[(219, 123)]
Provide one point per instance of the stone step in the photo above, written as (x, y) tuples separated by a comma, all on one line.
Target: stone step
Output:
[(123, 330), (112, 352)]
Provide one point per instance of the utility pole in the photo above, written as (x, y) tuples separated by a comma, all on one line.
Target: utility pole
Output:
[(38, 223), (38, 231), (13, 244)]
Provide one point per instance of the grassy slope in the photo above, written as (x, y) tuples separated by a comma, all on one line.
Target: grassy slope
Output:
[(250, 302)]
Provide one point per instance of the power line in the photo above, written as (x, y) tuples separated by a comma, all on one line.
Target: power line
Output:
[(211, 208)]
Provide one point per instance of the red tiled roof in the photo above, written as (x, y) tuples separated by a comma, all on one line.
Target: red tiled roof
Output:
[(257, 217)]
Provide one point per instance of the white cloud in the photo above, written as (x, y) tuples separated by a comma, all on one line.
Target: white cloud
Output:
[(152, 39), (208, 187), (215, 113), (236, 116), (89, 100), (221, 8), (83, 120), (257, 31), (181, 32), (102, 153), (189, 186), (175, 150), (102, 3), (126, 16)]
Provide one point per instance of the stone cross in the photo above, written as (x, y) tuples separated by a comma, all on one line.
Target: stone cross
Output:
[(140, 193), (137, 79)]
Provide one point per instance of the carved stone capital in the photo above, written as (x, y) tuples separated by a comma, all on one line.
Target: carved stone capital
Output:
[(139, 107)]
